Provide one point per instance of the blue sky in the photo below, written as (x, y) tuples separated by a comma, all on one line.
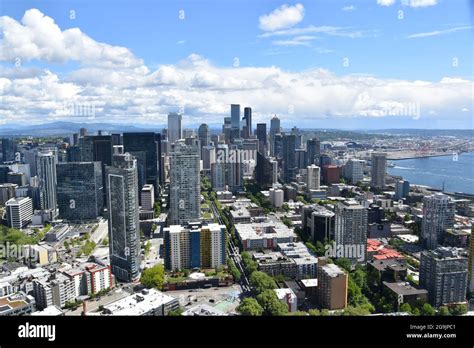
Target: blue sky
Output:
[(433, 41)]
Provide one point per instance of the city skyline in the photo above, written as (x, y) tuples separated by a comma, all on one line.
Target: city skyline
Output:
[(319, 64)]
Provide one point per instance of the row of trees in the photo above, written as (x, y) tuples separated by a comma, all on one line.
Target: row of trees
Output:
[(266, 302)]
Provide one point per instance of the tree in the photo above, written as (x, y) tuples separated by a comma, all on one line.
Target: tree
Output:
[(175, 313), (153, 277), (459, 309), (405, 307), (344, 263), (233, 270), (250, 265), (250, 307), (271, 304), (427, 310), (262, 281), (444, 311), (147, 248), (356, 311)]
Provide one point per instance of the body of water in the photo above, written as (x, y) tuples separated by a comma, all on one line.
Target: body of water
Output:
[(456, 173)]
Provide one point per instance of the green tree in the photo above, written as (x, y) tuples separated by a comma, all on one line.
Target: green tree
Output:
[(344, 263), (175, 313), (427, 310), (405, 307), (147, 248), (153, 277), (271, 304), (444, 311), (459, 309), (262, 281), (250, 307)]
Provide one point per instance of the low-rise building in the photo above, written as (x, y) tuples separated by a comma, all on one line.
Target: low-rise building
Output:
[(403, 292), (90, 278), (264, 235), (57, 290), (149, 302), (16, 304), (51, 311), (288, 297)]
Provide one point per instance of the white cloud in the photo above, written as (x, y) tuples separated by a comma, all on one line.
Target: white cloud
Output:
[(385, 2), (325, 30), (39, 37), (438, 32), (205, 91), (349, 8), (283, 17), (138, 95), (303, 40), (419, 3)]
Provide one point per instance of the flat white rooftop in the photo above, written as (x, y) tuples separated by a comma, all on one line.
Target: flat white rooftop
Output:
[(139, 304)]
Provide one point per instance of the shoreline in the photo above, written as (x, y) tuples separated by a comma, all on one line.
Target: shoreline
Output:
[(419, 156)]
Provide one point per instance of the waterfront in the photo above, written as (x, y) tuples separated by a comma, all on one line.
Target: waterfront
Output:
[(456, 173)]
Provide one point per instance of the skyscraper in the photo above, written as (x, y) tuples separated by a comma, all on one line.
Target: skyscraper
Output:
[(313, 151), (175, 131), (8, 150), (46, 172), (146, 148), (19, 212), (123, 210), (204, 136), (379, 161), (438, 215), (313, 177), (219, 168), (185, 184), (247, 129), (266, 171), (402, 188), (80, 190), (275, 128), (235, 169), (194, 246), (351, 230), (354, 170), (262, 137), (443, 272), (235, 121), (289, 157)]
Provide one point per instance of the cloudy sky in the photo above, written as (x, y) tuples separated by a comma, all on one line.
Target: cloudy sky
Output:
[(319, 64)]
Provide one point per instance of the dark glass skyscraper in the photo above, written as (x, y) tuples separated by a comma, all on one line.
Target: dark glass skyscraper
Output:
[(247, 129), (262, 137), (150, 144), (8, 149), (313, 151), (79, 190), (123, 211), (289, 158)]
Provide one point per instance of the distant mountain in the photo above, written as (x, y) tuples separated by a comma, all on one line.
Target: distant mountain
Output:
[(67, 128)]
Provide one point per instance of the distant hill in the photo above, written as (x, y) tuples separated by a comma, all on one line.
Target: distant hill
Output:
[(67, 128)]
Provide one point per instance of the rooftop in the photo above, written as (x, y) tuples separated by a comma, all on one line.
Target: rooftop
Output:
[(404, 288), (138, 304), (332, 270)]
